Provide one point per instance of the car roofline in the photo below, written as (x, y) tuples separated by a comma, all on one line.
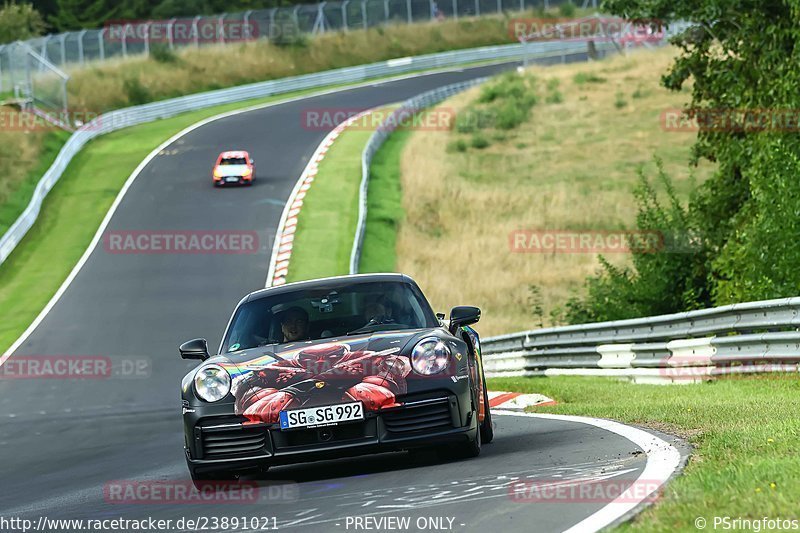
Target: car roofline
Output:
[(378, 276)]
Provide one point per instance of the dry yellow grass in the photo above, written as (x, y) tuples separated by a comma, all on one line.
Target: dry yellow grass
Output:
[(19, 151), (571, 166)]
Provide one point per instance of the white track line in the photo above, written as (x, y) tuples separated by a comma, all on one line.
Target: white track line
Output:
[(663, 460), (118, 200)]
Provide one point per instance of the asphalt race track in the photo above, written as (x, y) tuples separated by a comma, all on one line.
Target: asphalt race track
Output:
[(64, 441)]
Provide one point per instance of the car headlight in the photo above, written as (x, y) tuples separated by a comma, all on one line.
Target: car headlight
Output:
[(212, 383), (430, 356), (247, 172), (217, 173)]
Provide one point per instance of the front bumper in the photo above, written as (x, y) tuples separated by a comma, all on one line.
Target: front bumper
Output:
[(225, 443)]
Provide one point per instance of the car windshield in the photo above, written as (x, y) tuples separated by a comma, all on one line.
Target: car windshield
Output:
[(332, 310), (233, 161)]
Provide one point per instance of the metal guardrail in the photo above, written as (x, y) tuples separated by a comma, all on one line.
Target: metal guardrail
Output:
[(123, 118), (740, 338)]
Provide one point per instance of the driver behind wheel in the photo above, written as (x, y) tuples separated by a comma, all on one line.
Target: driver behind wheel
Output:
[(294, 324)]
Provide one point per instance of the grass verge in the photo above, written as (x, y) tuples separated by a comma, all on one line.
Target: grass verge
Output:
[(327, 224), (384, 206), (83, 195), (744, 432)]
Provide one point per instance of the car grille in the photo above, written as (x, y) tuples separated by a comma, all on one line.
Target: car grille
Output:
[(232, 442), (425, 415)]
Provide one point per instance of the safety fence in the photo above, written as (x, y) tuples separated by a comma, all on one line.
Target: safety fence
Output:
[(279, 24)]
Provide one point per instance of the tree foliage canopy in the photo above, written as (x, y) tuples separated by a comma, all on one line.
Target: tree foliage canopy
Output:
[(742, 58)]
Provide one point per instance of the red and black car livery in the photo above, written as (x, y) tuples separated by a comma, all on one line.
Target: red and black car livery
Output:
[(338, 366)]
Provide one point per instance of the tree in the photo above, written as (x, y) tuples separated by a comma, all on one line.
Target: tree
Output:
[(741, 57), (19, 22)]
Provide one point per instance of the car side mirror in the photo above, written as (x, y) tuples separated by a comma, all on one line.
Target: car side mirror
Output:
[(194, 349), (463, 315)]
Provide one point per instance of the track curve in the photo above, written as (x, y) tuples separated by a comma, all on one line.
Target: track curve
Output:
[(64, 441)]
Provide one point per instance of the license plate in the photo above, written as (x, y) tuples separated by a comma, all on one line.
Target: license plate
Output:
[(324, 415), (232, 179)]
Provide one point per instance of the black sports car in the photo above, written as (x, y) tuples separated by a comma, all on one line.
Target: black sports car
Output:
[(331, 367)]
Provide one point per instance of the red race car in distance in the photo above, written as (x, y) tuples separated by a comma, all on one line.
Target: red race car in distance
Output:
[(234, 168)]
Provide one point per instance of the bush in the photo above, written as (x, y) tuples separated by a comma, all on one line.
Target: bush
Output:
[(667, 277), (161, 53), (567, 10), (20, 22), (479, 141), (587, 77), (619, 101), (509, 115), (554, 97), (458, 145), (136, 93)]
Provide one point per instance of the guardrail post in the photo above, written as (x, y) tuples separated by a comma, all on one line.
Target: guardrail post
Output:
[(45, 40)]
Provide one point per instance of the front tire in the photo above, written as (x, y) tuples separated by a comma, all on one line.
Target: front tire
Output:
[(473, 447)]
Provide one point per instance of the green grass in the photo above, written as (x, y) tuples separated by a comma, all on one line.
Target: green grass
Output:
[(384, 206), (327, 224), (21, 196), (744, 432), (73, 211)]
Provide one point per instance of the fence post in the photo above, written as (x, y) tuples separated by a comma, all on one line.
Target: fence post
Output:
[(455, 9), (246, 23), (364, 14), (408, 10), (196, 31), (221, 27), (63, 49), (344, 15), (385, 11), (2, 49), (81, 35), (499, 6), (171, 33), (271, 31), (101, 45), (147, 38), (296, 18), (125, 40), (477, 8)]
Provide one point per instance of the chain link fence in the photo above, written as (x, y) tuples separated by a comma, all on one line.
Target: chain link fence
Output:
[(126, 38)]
